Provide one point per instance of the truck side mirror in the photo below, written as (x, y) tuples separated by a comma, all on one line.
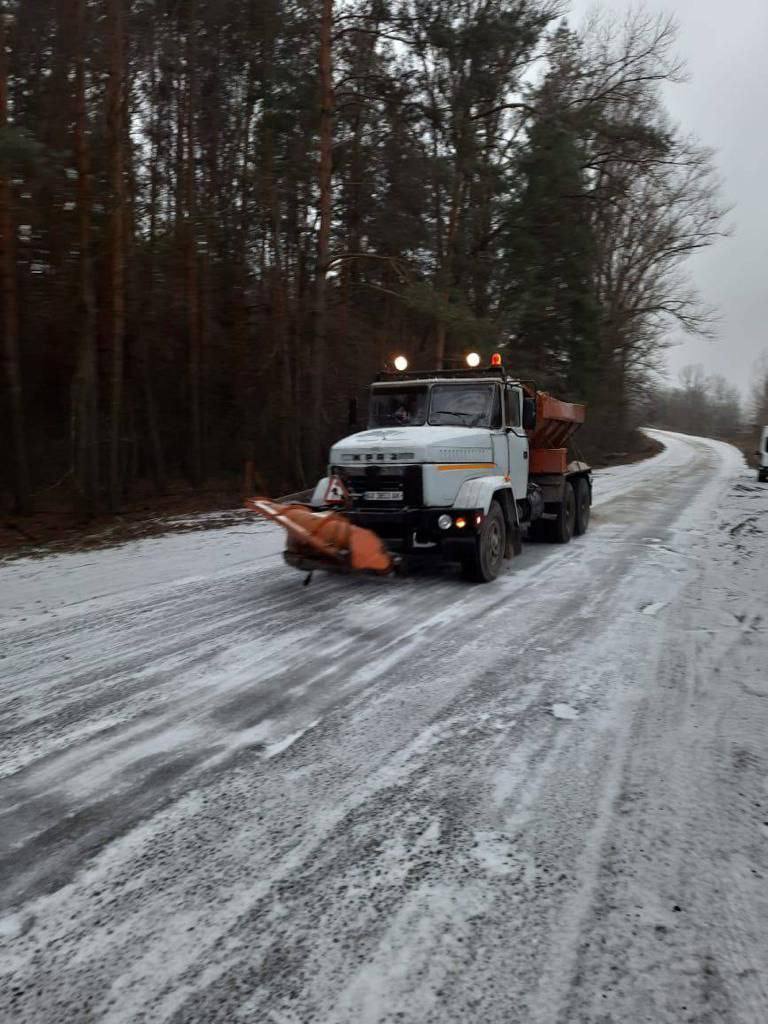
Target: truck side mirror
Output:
[(529, 414), (352, 413)]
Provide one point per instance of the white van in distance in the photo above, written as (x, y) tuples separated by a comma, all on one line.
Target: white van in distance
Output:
[(762, 455)]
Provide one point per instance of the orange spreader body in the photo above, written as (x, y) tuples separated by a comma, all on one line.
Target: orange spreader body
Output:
[(548, 460), (556, 422), (326, 537)]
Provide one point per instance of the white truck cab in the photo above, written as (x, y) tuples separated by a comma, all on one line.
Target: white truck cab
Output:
[(445, 468)]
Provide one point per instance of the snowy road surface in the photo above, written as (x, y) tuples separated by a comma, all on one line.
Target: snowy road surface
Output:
[(225, 797)]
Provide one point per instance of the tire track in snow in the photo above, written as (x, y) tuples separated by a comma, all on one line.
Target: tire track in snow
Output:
[(425, 820)]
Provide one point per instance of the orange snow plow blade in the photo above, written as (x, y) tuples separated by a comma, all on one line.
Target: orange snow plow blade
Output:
[(325, 540)]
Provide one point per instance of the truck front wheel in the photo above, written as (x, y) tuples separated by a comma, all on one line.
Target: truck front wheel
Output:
[(484, 563)]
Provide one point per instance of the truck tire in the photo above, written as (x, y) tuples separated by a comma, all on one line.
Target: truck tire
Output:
[(483, 565), (563, 526), (581, 491)]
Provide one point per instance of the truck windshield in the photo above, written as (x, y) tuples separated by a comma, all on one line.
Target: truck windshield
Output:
[(406, 407), (467, 404)]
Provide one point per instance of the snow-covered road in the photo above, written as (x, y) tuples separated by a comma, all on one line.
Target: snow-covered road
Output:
[(226, 797)]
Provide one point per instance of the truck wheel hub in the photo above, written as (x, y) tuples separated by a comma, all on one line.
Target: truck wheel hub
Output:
[(494, 541)]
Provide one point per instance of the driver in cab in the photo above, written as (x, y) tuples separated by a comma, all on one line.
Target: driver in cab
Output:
[(404, 412)]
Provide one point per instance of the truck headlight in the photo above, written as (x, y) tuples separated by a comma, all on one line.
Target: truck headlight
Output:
[(444, 522)]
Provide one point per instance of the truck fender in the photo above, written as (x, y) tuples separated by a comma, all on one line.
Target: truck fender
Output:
[(578, 470), (479, 492), (319, 493)]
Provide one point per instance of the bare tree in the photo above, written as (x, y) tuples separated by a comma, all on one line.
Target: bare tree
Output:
[(700, 404), (759, 391), (655, 199)]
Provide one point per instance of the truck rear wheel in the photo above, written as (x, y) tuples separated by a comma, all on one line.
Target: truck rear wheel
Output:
[(484, 563), (563, 526), (581, 490)]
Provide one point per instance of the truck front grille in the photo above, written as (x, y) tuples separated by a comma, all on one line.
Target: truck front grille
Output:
[(383, 487)]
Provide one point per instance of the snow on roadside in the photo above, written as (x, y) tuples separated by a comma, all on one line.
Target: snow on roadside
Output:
[(38, 587), (35, 586)]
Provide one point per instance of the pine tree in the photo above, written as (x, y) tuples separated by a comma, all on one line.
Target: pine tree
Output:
[(553, 308)]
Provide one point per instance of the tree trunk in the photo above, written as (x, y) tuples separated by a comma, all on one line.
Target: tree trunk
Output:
[(319, 355), (192, 270), (10, 300), (446, 271), (149, 332), (115, 129), (353, 199), (85, 390)]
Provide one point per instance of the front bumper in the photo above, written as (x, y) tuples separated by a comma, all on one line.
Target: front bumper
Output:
[(416, 531)]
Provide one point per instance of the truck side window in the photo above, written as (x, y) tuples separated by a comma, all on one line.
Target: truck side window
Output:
[(512, 407), (496, 410)]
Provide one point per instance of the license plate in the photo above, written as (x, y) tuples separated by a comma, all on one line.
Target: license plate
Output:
[(383, 495)]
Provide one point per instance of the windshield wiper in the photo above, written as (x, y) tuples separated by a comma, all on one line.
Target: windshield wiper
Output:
[(450, 412)]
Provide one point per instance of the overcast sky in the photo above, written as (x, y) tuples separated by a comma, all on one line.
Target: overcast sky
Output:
[(725, 103)]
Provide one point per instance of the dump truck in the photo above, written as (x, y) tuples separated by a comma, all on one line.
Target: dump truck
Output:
[(456, 465)]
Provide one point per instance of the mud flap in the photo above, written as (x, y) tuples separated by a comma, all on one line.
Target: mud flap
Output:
[(514, 542)]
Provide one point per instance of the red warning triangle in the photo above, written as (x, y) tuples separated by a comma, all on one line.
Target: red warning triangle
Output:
[(337, 493)]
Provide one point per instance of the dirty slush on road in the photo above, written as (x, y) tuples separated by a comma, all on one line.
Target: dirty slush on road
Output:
[(225, 797)]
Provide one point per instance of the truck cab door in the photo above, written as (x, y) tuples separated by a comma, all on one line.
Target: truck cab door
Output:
[(517, 441), (499, 435)]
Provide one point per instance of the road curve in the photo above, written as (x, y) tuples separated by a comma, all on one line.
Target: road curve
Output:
[(226, 797)]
